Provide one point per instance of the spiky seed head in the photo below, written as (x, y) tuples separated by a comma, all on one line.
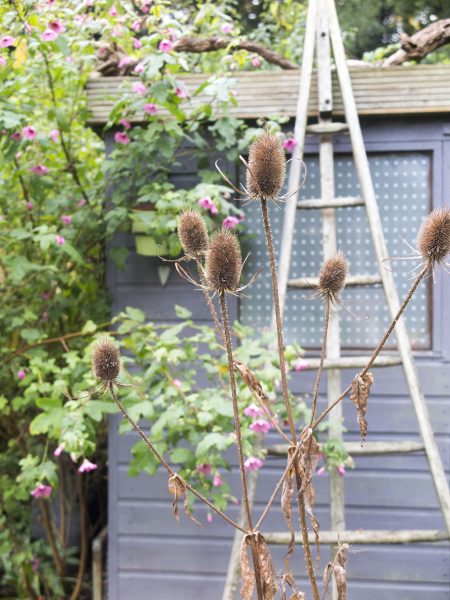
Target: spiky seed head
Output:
[(193, 233), (332, 276), (223, 262), (106, 360), (266, 167), (433, 239)]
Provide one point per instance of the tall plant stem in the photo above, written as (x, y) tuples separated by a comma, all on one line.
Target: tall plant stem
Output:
[(83, 537), (237, 425), (326, 321), (48, 527), (380, 346), (279, 328), (165, 464), (209, 302)]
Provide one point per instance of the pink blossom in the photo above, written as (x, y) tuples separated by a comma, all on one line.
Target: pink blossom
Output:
[(113, 11), (165, 45), (49, 35), (253, 410), (125, 123), (253, 464), (29, 132), (42, 491), (172, 34), (321, 471), (29, 205), (226, 27), (209, 517), (117, 31), (6, 41), (256, 62), (2, 61), (21, 374), (66, 219), (86, 466), (81, 202), (28, 28), (58, 450), (46, 295), (213, 210), (16, 136), (125, 61), (139, 88), (150, 108), (44, 316), (217, 481), (260, 426), (341, 470), (54, 135), (180, 92), (139, 68), (120, 137), (35, 564), (136, 26), (204, 468), (289, 144), (137, 43), (59, 240), (206, 203), (177, 383), (57, 26), (230, 222), (39, 170), (300, 364)]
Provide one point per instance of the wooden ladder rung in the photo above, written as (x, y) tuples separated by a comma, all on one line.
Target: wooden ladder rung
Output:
[(352, 362), (361, 536), (342, 202), (368, 449), (306, 283), (332, 127)]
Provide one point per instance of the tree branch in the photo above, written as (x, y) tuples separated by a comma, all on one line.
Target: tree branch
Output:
[(420, 44)]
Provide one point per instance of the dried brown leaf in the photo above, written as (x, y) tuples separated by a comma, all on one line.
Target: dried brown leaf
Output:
[(177, 488), (360, 396), (338, 569), (288, 579), (266, 568), (247, 574), (253, 383), (286, 507), (308, 464)]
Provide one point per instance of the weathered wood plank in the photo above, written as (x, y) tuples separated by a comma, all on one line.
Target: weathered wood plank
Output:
[(365, 537)]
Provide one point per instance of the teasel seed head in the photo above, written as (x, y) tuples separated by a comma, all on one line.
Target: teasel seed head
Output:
[(193, 233), (266, 167), (332, 277), (106, 360), (433, 239), (223, 262)]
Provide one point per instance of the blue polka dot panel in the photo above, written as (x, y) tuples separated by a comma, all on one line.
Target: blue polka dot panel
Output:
[(402, 187)]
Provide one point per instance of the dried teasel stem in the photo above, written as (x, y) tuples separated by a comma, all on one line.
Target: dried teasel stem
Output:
[(237, 425), (326, 321), (433, 239)]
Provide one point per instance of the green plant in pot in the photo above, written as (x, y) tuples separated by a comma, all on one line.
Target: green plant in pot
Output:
[(154, 218)]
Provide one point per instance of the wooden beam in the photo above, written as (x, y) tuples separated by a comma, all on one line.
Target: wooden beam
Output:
[(305, 283), (368, 449), (368, 536)]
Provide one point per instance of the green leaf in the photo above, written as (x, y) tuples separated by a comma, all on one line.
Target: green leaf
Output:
[(89, 327), (47, 421), (181, 455), (135, 314), (182, 313), (219, 441)]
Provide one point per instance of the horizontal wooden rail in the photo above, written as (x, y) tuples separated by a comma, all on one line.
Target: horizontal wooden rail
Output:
[(361, 536), (367, 449), (305, 283), (343, 202)]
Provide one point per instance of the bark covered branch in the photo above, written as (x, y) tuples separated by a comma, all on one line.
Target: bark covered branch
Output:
[(417, 46)]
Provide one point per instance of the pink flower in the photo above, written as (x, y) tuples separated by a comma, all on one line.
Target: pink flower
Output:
[(86, 466), (300, 364), (81, 202), (204, 468), (289, 144), (6, 41), (29, 205), (66, 219), (58, 450), (253, 464), (165, 45), (253, 410), (21, 374), (113, 11), (137, 43), (172, 33), (125, 61), (256, 62), (217, 481), (120, 137), (42, 491), (226, 27), (177, 383), (230, 222), (213, 210), (150, 108), (2, 61), (46, 295), (139, 68), (341, 470), (136, 26), (39, 170), (206, 203), (260, 426), (321, 471), (54, 135), (57, 26), (139, 88), (125, 123), (29, 132), (49, 35), (16, 136), (35, 564), (180, 92), (59, 240), (209, 517)]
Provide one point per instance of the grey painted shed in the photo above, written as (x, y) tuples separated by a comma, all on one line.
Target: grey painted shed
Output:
[(406, 127)]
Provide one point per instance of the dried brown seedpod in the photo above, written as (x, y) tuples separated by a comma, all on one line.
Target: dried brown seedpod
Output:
[(266, 167), (223, 263), (193, 233), (433, 239), (332, 277), (106, 360)]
